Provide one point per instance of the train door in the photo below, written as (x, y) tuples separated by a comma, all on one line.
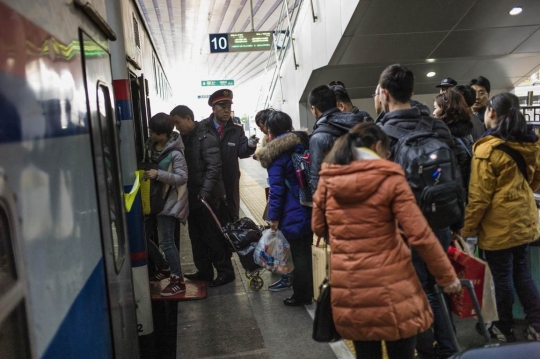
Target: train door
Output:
[(140, 119), (104, 132), (14, 336)]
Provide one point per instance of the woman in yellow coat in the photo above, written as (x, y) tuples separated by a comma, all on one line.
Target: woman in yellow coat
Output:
[(502, 210)]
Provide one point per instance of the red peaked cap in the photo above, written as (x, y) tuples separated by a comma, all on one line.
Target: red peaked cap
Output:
[(222, 95)]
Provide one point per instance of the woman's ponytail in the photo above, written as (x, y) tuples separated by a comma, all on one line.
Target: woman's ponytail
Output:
[(342, 152), (511, 124)]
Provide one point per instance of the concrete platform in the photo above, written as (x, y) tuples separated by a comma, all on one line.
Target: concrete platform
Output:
[(236, 322)]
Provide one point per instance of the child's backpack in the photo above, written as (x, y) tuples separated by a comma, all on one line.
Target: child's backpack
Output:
[(301, 164), (152, 196), (432, 172)]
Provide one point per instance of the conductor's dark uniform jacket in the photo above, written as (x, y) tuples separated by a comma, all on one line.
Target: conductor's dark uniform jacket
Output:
[(233, 145)]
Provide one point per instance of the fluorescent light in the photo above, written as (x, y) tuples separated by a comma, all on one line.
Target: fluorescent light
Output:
[(430, 60), (431, 74), (516, 10)]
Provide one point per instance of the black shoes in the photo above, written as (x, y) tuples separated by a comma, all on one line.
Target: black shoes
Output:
[(198, 276), (295, 302), (221, 280)]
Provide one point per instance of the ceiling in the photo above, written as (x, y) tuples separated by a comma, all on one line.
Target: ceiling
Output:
[(461, 39), (180, 30)]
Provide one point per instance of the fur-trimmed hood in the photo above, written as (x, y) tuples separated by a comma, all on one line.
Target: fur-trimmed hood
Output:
[(284, 143)]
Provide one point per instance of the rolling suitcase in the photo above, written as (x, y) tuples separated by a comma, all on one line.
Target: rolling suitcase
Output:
[(523, 350)]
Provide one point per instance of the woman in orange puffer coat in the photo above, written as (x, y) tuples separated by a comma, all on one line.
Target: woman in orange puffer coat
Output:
[(364, 199)]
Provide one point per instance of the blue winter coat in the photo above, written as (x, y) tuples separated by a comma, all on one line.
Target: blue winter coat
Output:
[(294, 219)]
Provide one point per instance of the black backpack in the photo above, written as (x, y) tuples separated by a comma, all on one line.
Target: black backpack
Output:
[(432, 172)]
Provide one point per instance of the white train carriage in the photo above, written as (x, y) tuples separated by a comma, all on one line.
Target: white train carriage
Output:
[(66, 287)]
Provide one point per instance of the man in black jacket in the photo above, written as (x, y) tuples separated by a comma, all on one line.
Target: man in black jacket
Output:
[(204, 183), (331, 124), (233, 145), (394, 92)]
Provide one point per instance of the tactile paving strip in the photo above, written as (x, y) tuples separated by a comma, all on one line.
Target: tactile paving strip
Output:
[(253, 196)]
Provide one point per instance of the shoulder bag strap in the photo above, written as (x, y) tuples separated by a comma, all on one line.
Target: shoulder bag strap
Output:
[(288, 184), (425, 124), (464, 146), (327, 237), (517, 157)]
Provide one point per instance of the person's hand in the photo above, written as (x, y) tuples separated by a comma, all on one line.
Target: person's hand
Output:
[(252, 141), (453, 288), (151, 174), (274, 225)]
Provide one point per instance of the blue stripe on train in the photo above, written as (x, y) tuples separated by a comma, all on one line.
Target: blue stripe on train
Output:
[(85, 331), (123, 108), (135, 227)]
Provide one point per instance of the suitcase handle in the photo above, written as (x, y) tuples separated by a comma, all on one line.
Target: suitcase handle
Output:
[(446, 313)]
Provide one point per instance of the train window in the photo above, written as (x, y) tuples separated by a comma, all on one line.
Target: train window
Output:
[(8, 275), (14, 336), (136, 32), (112, 168)]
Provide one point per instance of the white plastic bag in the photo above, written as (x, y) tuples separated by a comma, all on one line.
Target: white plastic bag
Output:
[(273, 252)]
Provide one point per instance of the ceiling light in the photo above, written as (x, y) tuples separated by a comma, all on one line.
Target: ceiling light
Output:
[(430, 60), (516, 10), (431, 74)]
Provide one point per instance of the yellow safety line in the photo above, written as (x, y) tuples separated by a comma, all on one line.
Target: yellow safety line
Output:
[(129, 198), (253, 196)]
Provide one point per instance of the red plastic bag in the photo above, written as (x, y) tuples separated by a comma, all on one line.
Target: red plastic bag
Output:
[(466, 267)]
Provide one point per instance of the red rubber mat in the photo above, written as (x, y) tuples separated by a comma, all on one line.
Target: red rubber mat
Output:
[(195, 290)]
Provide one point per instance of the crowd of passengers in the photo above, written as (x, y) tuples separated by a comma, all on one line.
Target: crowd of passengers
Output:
[(386, 257)]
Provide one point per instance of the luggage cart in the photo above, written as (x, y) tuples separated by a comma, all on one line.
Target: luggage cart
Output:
[(252, 271)]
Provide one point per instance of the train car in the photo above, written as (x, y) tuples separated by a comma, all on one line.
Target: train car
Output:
[(66, 288)]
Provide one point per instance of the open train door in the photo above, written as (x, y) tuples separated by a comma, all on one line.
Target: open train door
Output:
[(140, 115), (108, 181)]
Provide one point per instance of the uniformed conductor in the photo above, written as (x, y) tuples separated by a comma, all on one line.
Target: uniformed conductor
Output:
[(233, 145)]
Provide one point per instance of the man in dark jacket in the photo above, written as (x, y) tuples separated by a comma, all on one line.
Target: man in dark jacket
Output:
[(482, 86), (204, 183), (331, 124), (233, 145), (343, 101), (394, 92)]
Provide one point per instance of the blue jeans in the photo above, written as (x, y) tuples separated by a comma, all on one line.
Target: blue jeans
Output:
[(166, 226), (440, 331), (510, 270)]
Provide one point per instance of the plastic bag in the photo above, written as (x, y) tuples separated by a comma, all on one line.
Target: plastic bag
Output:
[(273, 252)]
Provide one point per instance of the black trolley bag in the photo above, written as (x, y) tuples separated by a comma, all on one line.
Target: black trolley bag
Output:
[(242, 236), (523, 350)]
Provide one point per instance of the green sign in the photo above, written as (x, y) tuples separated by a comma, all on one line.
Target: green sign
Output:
[(241, 41), (203, 96), (217, 83)]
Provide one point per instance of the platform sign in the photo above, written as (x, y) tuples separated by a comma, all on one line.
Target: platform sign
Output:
[(203, 96), (241, 41), (217, 83)]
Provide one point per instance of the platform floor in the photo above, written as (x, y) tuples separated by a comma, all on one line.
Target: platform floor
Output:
[(235, 322)]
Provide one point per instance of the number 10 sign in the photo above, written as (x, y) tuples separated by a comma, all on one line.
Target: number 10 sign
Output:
[(241, 41)]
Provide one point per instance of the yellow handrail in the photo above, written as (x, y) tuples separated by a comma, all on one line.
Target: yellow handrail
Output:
[(129, 198)]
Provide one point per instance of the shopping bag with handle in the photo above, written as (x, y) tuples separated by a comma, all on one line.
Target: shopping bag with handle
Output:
[(467, 266)]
